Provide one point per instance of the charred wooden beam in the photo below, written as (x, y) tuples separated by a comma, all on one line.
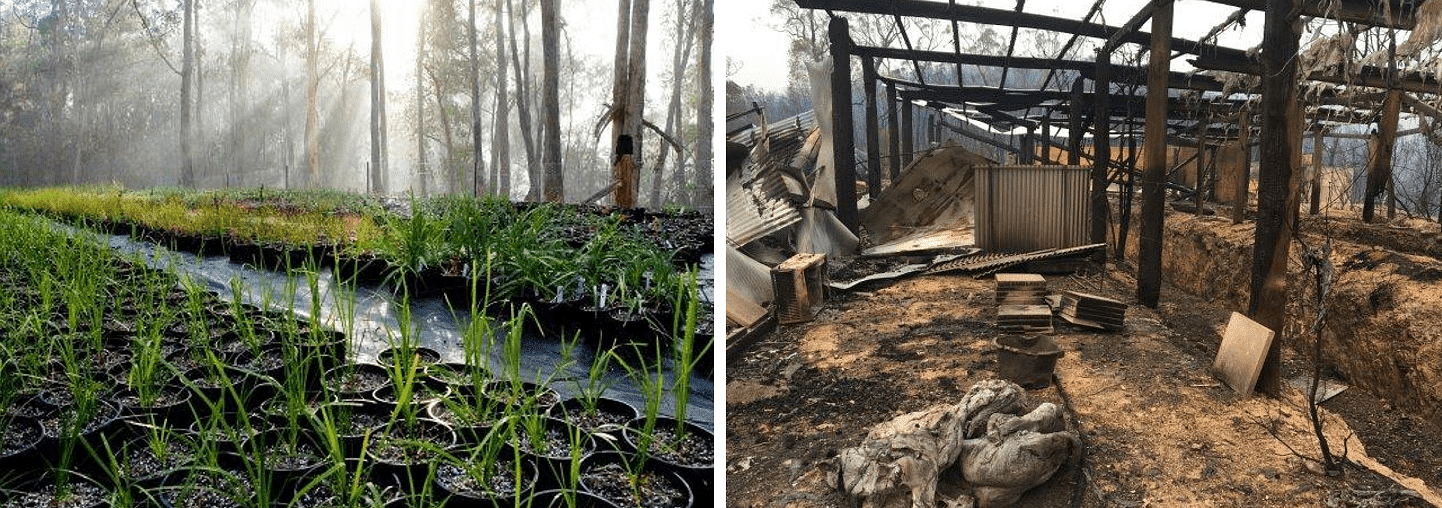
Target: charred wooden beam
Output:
[(1004, 17), (1134, 24), (1366, 12), (1368, 76)]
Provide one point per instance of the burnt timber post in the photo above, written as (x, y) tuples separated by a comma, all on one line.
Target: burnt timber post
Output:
[(1379, 163), (1046, 139), (1149, 255), (1316, 182), (1028, 148), (1101, 150), (843, 142), (895, 137), (1199, 176), (907, 127), (1244, 174), (1074, 123), (1281, 145), (873, 134)]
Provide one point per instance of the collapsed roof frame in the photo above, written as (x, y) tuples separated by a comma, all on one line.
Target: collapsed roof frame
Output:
[(1279, 114)]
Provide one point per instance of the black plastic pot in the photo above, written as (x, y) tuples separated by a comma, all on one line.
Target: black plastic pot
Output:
[(144, 470), (423, 356), (524, 393), (287, 457), (605, 475), (569, 499), (101, 428), (172, 405), (610, 416), (38, 488), (423, 392), (470, 429), (365, 268), (403, 453), (355, 381), (461, 490), (19, 440), (555, 462), (353, 420), (697, 470), (458, 376), (207, 488)]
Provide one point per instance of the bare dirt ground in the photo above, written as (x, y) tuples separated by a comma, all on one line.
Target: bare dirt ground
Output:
[(1158, 429)]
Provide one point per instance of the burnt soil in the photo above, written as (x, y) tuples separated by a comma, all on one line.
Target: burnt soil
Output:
[(1158, 429)]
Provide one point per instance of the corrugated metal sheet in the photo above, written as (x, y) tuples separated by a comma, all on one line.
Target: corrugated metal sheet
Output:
[(758, 209), (1030, 208)]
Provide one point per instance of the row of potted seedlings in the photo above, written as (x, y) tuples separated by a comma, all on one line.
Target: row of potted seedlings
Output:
[(607, 274), (136, 389)]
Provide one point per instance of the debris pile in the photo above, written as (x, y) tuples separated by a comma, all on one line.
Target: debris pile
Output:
[(1002, 449)]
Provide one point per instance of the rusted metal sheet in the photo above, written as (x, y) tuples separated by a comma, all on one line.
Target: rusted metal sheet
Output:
[(757, 209), (1030, 208), (988, 264)]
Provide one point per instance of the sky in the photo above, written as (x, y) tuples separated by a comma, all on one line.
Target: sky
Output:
[(748, 37)]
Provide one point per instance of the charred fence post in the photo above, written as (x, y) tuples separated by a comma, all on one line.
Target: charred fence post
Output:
[(842, 129)]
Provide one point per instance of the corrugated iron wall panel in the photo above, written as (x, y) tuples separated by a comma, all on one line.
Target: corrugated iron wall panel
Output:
[(1030, 208)]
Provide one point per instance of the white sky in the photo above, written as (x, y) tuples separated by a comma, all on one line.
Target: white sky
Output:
[(758, 51)]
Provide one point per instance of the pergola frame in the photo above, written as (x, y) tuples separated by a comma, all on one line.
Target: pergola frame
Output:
[(1203, 116)]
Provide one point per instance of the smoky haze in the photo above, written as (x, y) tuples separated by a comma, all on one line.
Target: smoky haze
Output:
[(91, 93)]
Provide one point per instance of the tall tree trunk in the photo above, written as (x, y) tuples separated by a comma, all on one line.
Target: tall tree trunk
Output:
[(523, 102), (453, 178), (551, 101), (630, 89), (378, 106), (421, 171), (685, 25), (704, 128), (312, 92), (501, 127), (198, 134), (479, 162), (187, 171)]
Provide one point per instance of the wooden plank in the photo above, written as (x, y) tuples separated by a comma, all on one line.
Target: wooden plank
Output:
[(1027, 279), (741, 311), (1244, 349)]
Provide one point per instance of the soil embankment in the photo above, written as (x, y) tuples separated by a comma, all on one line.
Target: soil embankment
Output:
[(1381, 333)]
